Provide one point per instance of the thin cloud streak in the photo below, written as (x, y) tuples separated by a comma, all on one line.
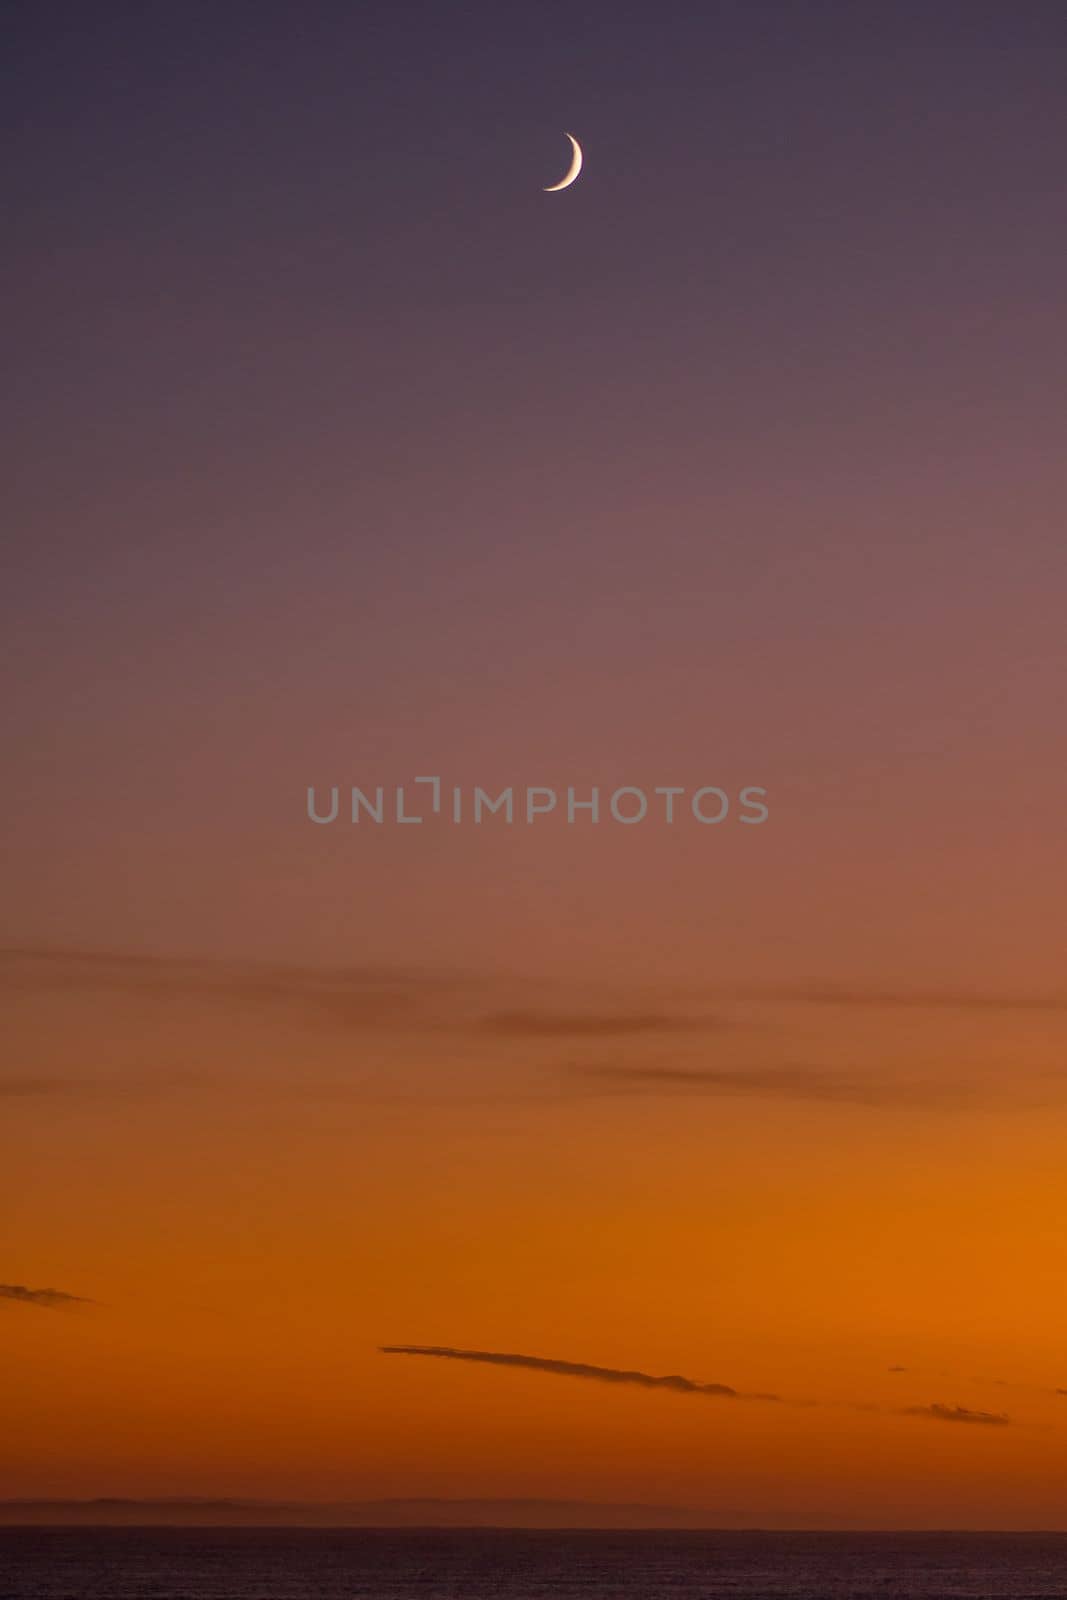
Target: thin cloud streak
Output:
[(943, 1413), (29, 1088), (1022, 1385), (354, 997), (677, 1384), (575, 1369), (49, 1299), (777, 1083), (817, 994), (622, 1024)]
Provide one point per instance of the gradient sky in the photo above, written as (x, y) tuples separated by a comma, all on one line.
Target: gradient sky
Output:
[(342, 453)]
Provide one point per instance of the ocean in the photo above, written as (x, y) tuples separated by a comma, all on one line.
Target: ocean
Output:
[(44, 1563)]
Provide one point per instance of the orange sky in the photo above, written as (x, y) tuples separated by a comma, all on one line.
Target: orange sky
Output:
[(260, 1175), (343, 454)]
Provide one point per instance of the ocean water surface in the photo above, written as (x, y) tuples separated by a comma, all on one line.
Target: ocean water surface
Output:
[(498, 1564)]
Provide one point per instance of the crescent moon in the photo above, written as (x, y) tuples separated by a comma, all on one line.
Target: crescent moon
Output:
[(575, 167)]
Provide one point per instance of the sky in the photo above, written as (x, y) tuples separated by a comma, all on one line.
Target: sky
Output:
[(342, 454)]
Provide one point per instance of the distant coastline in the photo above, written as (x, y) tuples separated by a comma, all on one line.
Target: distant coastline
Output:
[(399, 1513)]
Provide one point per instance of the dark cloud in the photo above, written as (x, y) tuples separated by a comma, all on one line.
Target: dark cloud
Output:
[(575, 1369), (563, 1025), (898, 1369), (51, 1299), (941, 1413)]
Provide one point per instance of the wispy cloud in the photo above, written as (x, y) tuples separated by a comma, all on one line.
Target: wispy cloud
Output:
[(822, 994), (774, 1082), (942, 1413), (575, 1369), (658, 1044), (603, 1025), (50, 1299), (346, 996), (31, 1087), (676, 1383), (1022, 1385)]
